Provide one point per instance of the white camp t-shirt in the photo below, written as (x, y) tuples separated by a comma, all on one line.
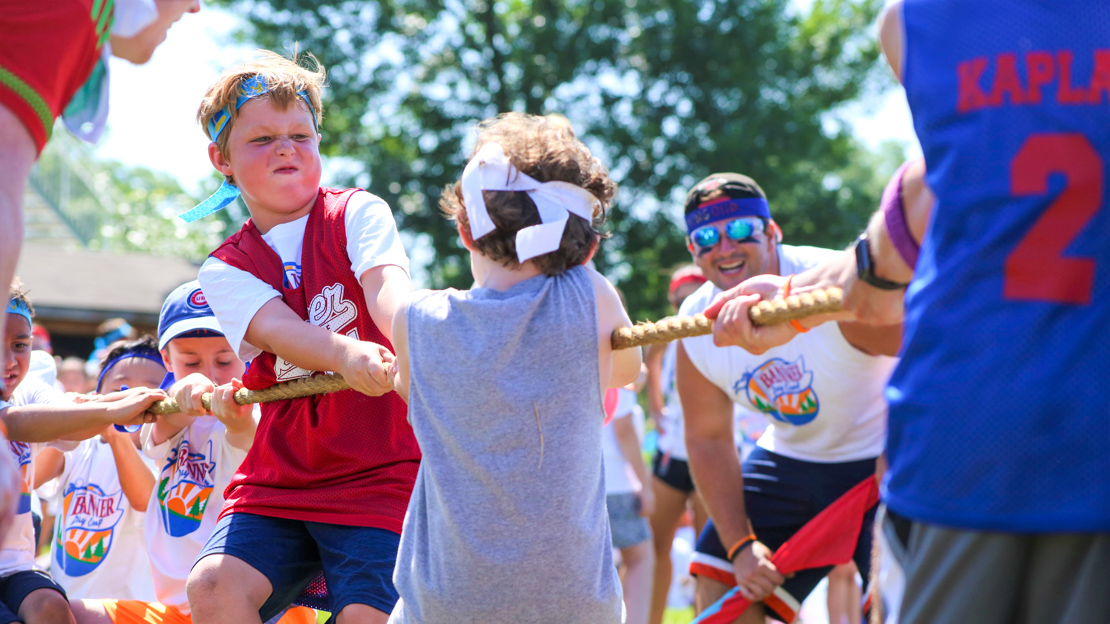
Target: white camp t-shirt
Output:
[(747, 425), (619, 476), (192, 469), (17, 552), (824, 397), (98, 549), (236, 295)]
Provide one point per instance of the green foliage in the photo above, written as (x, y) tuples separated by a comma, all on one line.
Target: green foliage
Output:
[(664, 91), (142, 215)]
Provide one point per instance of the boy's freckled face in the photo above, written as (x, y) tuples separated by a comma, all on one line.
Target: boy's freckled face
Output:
[(275, 156), (17, 360)]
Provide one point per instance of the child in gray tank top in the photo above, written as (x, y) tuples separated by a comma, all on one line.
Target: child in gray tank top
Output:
[(507, 521)]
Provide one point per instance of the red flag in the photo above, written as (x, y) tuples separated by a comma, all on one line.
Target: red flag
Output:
[(828, 539)]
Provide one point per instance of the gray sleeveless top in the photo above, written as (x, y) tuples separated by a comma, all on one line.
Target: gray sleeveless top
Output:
[(507, 519)]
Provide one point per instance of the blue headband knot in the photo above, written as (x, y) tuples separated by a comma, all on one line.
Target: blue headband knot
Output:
[(250, 88)]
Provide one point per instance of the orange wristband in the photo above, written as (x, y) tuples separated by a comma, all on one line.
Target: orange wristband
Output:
[(738, 546), (793, 322)]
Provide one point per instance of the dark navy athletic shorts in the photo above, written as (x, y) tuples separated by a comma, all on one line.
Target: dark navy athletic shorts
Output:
[(14, 589), (781, 495), (357, 562)]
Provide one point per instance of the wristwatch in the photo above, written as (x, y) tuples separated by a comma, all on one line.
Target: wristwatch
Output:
[(865, 267)]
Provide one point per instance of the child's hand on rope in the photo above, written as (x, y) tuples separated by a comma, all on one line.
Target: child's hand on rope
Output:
[(367, 368), (236, 418), (189, 392), (129, 407)]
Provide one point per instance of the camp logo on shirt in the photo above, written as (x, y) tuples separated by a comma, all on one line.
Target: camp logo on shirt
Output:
[(782, 390), (291, 275), (184, 487), (86, 527), (22, 452)]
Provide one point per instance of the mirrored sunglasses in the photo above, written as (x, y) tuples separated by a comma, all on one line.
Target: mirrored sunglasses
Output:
[(741, 230)]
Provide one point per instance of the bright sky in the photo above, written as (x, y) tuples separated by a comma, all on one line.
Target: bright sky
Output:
[(167, 138)]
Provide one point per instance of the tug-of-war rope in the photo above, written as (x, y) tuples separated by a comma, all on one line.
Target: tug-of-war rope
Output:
[(768, 312)]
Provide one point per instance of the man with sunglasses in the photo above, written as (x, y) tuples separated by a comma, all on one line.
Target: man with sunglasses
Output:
[(821, 392)]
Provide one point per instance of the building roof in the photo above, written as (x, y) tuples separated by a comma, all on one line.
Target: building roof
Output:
[(91, 286)]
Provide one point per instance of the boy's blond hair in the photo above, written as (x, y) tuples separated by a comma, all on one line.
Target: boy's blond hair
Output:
[(546, 149), (285, 77)]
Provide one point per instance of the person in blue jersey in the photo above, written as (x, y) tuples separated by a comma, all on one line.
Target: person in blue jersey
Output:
[(997, 494)]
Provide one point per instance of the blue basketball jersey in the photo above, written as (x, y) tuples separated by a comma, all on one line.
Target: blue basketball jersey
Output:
[(997, 414)]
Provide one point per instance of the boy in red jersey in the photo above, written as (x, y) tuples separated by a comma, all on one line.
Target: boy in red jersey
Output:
[(47, 51), (309, 284)]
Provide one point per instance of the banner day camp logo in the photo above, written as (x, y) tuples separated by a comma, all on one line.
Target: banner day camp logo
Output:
[(184, 486), (782, 390), (86, 528)]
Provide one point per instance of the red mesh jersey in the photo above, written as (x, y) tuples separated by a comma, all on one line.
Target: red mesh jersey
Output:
[(341, 458)]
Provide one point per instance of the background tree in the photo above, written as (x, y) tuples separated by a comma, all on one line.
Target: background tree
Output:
[(664, 91)]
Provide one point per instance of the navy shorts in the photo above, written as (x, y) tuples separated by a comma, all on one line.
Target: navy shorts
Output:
[(781, 495), (15, 588), (357, 562)]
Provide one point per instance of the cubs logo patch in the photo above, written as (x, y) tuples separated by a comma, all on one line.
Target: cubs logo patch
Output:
[(86, 528), (184, 487), (782, 390), (197, 300)]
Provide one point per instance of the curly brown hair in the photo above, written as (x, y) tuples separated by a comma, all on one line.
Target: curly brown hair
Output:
[(546, 149)]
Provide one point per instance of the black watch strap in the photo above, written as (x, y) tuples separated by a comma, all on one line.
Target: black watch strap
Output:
[(865, 267)]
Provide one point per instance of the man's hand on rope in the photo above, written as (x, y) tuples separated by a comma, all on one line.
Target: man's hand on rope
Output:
[(734, 328), (756, 576), (367, 368)]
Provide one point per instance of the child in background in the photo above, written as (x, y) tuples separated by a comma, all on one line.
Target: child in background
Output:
[(629, 500), (98, 550), (507, 522), (310, 283), (34, 412), (195, 455)]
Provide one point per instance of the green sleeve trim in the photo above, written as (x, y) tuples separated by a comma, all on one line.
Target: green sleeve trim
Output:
[(31, 97)]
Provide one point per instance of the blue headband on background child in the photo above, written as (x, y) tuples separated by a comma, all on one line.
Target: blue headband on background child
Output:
[(725, 208), (127, 355), (16, 306), (251, 88)]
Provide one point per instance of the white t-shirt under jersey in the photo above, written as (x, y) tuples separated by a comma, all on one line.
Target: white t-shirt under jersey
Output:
[(823, 396), (17, 552), (747, 425), (193, 469), (372, 241), (619, 476), (98, 550)]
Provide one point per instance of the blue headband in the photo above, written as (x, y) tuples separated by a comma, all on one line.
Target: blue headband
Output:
[(726, 208), (126, 355), (251, 88), (16, 306)]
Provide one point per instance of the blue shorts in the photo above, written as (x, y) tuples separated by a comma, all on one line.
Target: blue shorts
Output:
[(357, 562), (781, 495), (14, 589)]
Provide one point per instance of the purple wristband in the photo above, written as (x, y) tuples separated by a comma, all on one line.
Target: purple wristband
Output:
[(894, 214)]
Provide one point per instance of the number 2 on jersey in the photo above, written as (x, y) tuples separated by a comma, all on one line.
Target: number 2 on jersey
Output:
[(1037, 269)]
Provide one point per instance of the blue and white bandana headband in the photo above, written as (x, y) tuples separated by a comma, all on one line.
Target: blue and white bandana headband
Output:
[(15, 306), (251, 88), (725, 208), (489, 170), (142, 353)]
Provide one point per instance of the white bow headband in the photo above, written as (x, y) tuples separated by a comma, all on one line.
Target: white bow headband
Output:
[(489, 170)]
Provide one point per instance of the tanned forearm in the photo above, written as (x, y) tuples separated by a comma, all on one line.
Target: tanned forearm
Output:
[(135, 478), (56, 421), (629, 444)]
